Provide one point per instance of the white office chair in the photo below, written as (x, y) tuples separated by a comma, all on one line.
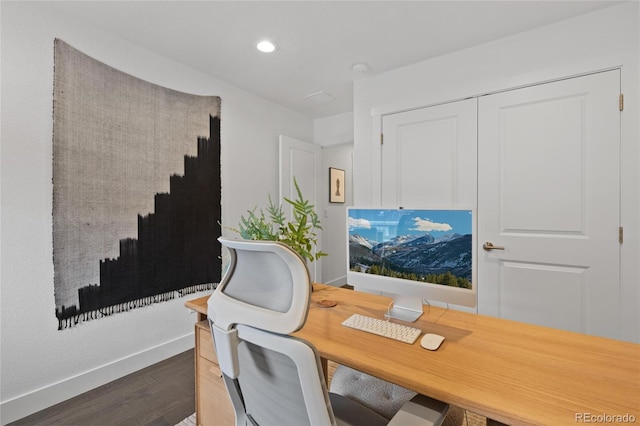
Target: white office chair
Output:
[(274, 379)]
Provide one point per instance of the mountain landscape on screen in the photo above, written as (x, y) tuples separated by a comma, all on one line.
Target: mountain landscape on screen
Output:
[(445, 260)]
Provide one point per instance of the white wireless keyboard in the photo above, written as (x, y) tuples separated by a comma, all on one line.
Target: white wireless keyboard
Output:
[(383, 328)]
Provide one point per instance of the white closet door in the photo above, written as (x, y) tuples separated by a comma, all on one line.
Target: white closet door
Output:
[(429, 156), (549, 193)]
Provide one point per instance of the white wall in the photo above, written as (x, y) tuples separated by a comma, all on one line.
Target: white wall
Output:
[(334, 215), (40, 365), (333, 130), (335, 135), (604, 39)]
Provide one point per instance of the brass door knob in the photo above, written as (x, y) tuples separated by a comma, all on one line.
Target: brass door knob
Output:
[(488, 246)]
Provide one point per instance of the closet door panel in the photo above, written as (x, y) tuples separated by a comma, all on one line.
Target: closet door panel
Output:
[(429, 156), (549, 193)]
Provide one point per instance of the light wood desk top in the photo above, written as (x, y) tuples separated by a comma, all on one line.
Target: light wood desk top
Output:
[(508, 371)]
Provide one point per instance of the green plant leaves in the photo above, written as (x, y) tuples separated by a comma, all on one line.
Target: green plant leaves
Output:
[(299, 234)]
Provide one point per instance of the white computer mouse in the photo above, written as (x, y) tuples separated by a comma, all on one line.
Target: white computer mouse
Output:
[(431, 341)]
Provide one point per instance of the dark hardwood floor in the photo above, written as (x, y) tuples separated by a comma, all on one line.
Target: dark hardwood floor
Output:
[(160, 395)]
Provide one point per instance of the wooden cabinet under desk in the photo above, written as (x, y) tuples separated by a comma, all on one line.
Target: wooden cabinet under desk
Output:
[(213, 407)]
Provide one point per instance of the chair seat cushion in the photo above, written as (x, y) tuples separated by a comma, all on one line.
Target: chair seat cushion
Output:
[(349, 413), (378, 395)]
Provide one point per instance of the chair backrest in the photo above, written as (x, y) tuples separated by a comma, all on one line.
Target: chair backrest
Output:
[(272, 378)]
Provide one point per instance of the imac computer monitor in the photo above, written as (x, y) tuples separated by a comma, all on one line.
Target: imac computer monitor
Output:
[(413, 255)]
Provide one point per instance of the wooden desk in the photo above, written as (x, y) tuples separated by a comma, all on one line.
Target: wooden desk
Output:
[(507, 371)]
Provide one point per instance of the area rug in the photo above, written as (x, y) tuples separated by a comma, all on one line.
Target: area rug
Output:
[(136, 190), (189, 421)]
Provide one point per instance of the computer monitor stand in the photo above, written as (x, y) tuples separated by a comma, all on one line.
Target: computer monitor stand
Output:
[(405, 308)]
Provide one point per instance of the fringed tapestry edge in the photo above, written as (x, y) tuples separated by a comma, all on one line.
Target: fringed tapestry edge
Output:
[(72, 321)]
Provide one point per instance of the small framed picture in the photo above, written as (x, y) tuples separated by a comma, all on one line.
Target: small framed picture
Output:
[(337, 187)]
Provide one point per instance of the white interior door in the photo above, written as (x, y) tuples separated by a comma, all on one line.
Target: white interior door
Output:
[(549, 194), (302, 160), (429, 156)]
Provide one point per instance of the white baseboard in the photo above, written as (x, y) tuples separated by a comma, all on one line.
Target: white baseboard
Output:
[(47, 396), (338, 282)]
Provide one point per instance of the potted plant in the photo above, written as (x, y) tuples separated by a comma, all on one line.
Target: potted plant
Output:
[(299, 233)]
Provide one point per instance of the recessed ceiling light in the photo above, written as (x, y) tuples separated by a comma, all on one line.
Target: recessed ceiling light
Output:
[(266, 46)]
